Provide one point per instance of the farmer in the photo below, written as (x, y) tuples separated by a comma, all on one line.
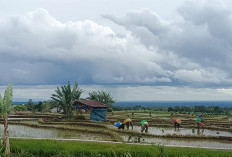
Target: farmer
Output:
[(177, 123), (199, 122), (128, 123), (144, 126), (119, 125)]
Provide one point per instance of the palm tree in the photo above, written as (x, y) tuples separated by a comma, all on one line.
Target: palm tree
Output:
[(102, 97), (65, 96), (5, 109)]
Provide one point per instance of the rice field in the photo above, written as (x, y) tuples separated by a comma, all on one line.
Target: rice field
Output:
[(217, 132)]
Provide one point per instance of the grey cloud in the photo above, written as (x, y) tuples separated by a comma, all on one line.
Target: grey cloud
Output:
[(128, 93), (201, 37), (144, 18), (215, 17), (36, 48), (145, 24)]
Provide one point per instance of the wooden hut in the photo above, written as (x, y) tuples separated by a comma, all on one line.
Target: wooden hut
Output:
[(97, 110)]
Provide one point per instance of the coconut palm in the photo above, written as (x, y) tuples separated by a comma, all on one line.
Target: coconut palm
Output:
[(65, 96), (102, 97), (5, 109)]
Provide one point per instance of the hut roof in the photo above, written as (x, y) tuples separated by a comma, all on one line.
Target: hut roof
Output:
[(91, 103)]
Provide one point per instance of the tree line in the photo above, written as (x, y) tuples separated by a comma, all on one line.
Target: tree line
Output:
[(63, 98), (201, 109), (179, 109)]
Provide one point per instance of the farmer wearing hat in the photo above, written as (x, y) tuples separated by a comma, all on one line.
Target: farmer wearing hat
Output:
[(144, 126), (128, 123)]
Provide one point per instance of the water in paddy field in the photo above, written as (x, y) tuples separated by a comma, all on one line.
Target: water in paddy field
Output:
[(184, 131), (181, 142), (29, 132), (25, 131)]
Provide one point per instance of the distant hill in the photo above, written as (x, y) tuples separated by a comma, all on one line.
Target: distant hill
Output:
[(162, 103), (19, 103), (173, 103)]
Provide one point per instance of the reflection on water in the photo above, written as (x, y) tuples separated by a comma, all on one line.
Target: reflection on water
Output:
[(180, 142), (25, 131), (184, 131)]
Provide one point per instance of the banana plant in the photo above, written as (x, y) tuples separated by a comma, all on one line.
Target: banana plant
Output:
[(5, 109)]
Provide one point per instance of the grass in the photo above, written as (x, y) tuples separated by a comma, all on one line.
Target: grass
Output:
[(22, 147)]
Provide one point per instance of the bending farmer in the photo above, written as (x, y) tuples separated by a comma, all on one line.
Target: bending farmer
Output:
[(199, 122), (177, 123), (128, 123), (119, 125), (144, 126)]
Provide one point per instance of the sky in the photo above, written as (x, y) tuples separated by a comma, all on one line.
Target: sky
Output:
[(148, 50)]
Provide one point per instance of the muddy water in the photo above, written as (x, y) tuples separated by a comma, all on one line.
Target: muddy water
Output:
[(25, 131), (184, 131), (22, 119), (181, 142)]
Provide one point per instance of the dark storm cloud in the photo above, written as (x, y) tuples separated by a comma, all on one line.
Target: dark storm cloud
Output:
[(202, 35), (36, 48)]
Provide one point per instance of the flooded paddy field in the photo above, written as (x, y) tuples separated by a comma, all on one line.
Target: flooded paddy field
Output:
[(160, 126), (160, 131), (184, 131), (30, 132), (180, 142)]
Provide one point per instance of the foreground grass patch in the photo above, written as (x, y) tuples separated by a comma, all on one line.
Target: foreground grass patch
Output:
[(22, 147)]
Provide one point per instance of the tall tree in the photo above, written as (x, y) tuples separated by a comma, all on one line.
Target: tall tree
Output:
[(5, 109), (38, 107), (102, 97), (65, 96), (48, 105), (30, 105)]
